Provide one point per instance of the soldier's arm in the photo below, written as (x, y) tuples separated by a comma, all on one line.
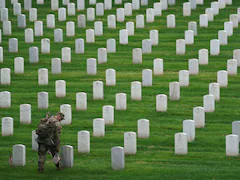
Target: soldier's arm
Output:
[(57, 135)]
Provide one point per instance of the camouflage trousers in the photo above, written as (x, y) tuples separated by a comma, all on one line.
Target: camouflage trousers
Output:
[(42, 151)]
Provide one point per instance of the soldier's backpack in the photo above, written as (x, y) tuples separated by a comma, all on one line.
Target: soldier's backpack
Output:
[(45, 127)]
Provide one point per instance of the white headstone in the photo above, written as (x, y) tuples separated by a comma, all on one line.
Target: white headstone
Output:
[(81, 21), (180, 143), (121, 101), (158, 66), (128, 9), (144, 2), (4, 14), (7, 126), (67, 158), (33, 54), (71, 9), (228, 26), (102, 55), (228, 2), (111, 45), (120, 15), (143, 128), (232, 145), (18, 65), (108, 114), (157, 6), (149, 15), (5, 76), (107, 4), (203, 20), (174, 91), (90, 36), (186, 9), (19, 155), (117, 158), (130, 28), (189, 129), (236, 128), (193, 4), (164, 4), (223, 37), (90, 14), (54, 5), (7, 28), (45, 46), (203, 56), (110, 77), (208, 103), (91, 66), (13, 45), (27, 4), (236, 55), (214, 89), (34, 142), (154, 37), (183, 78), (146, 46), (139, 21), (32, 14), (137, 56), (98, 127), (62, 14), (98, 92), (215, 7), (40, 1), (232, 67), (92, 2), (209, 12), (234, 19), (56, 65), (130, 143), (81, 101), (2, 4), (189, 37), (50, 21), (193, 66), (70, 29), (222, 78), (66, 54), (25, 113), (66, 109), (161, 103), (199, 1), (60, 88), (17, 10), (42, 100), (147, 77), (222, 4), (42, 76), (1, 56), (214, 47), (79, 46), (99, 9), (199, 117), (111, 19), (84, 142), (123, 36), (5, 99), (98, 28), (171, 22), (136, 91), (118, 2), (135, 4), (38, 28), (58, 35), (80, 5), (180, 46)]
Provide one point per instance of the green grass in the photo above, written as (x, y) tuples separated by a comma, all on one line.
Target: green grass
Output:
[(155, 157)]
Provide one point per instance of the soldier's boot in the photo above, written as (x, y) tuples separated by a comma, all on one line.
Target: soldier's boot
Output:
[(58, 165), (40, 167)]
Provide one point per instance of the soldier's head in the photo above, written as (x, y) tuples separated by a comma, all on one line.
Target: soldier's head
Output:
[(60, 116)]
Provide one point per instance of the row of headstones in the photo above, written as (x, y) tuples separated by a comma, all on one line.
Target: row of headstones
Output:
[(118, 153)]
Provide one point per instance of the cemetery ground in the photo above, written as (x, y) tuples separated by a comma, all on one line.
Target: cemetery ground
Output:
[(155, 158)]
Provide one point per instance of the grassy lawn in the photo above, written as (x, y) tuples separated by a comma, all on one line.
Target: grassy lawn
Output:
[(155, 158)]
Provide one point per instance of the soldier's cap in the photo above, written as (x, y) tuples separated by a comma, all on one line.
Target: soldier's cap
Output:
[(61, 115)]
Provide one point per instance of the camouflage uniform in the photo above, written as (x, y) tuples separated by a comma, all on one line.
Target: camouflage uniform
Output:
[(51, 143)]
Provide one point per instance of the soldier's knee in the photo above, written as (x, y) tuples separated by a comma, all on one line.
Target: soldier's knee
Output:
[(42, 150)]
